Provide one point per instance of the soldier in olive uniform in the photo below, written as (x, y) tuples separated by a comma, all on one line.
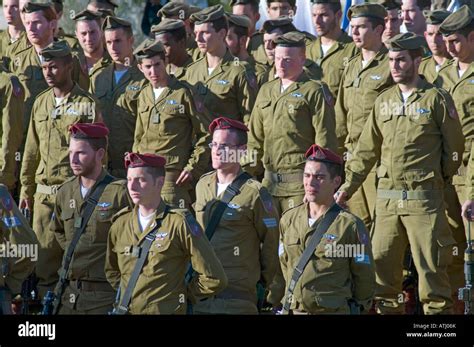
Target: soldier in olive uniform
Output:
[(221, 85), (393, 21), (27, 63), (15, 30), (333, 47), (168, 125), (246, 236), (457, 77), (430, 66), (332, 277), (91, 38), (412, 14), (410, 208), (117, 87), (87, 290), (45, 162), (366, 75), (172, 35), (11, 128), (99, 5), (178, 240), (250, 8)]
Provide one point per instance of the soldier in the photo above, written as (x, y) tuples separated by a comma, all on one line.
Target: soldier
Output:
[(45, 161), (168, 125), (412, 14), (91, 38), (99, 5), (278, 8), (366, 75), (246, 231), (393, 21), (12, 106), (333, 47), (341, 275), (59, 33), (169, 238), (222, 85), (85, 289), (117, 87), (410, 208), (272, 29), (457, 78), (172, 35), (182, 11), (40, 21), (12, 36), (430, 66)]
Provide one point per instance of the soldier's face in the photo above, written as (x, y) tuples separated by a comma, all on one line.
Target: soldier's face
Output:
[(289, 62), (269, 45), (458, 45), (246, 10), (435, 40), (89, 35), (403, 67), (226, 150), (319, 187), (172, 48), (82, 157), (119, 45), (56, 72), (413, 16), (233, 42), (277, 9), (325, 20), (154, 69), (142, 186), (38, 29), (363, 34), (392, 25), (11, 11), (207, 39)]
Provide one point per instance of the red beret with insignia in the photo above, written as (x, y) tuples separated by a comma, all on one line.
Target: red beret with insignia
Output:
[(318, 153), (226, 123), (88, 130), (144, 160)]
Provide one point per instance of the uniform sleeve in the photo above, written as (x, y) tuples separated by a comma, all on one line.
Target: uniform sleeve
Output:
[(246, 93), (366, 153), (139, 129), (56, 225), (341, 118), (266, 224), (362, 267), (12, 131), (112, 271), (324, 119), (453, 139), (211, 277), (252, 162), (31, 159), (199, 160)]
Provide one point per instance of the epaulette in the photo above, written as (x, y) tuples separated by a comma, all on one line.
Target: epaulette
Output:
[(191, 222), (207, 174), (122, 212), (17, 88), (453, 113)]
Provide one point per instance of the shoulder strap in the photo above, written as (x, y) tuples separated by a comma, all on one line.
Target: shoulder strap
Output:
[(91, 203), (308, 252), (144, 249)]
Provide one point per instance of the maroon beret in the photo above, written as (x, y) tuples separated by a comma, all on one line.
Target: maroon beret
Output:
[(226, 123), (88, 130), (324, 155), (144, 160)]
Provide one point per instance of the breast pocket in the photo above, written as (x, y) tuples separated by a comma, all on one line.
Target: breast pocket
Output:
[(103, 217), (67, 216), (159, 252), (171, 120)]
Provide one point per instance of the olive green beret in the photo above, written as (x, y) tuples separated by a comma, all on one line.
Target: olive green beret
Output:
[(104, 12), (167, 25), (389, 4), (405, 42), (435, 17), (57, 49), (291, 2), (108, 2), (207, 15), (291, 39), (244, 2), (149, 48), (367, 10), (174, 9), (112, 22), (31, 7), (272, 24), (87, 15), (238, 20), (456, 21)]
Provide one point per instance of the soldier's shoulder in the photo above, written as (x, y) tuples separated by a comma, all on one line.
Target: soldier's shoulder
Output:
[(195, 63), (119, 183), (207, 176), (122, 215), (353, 58), (292, 212), (445, 67), (192, 225), (354, 225), (43, 94)]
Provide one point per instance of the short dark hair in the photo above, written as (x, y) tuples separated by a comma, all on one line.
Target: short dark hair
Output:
[(177, 34), (66, 60), (95, 143), (375, 22), (423, 4), (333, 168), (220, 23), (415, 53), (333, 6), (239, 31), (155, 172), (160, 54)]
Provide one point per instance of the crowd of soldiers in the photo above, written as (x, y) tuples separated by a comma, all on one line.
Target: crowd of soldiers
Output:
[(220, 169)]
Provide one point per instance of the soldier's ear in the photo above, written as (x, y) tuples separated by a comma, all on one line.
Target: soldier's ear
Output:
[(338, 180)]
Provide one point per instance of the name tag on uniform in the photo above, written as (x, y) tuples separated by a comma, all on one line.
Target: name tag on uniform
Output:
[(155, 117), (356, 82), (55, 113), (77, 222)]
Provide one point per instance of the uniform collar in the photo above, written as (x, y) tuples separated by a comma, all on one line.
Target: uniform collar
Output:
[(77, 186), (159, 214)]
